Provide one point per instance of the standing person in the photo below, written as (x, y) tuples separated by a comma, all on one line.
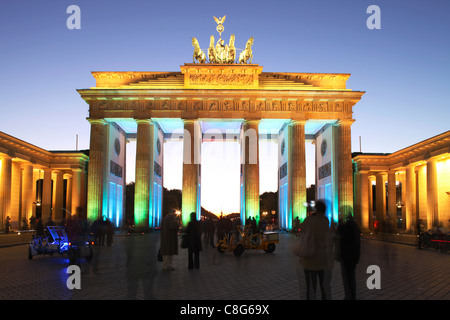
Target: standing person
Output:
[(194, 240), (210, 231), (169, 239), (419, 231), (7, 224), (349, 235), (314, 265)]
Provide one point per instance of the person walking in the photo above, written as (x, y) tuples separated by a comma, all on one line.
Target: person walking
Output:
[(348, 235), (169, 239), (315, 264), (194, 241)]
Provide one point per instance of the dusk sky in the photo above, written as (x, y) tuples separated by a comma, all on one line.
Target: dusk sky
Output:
[(403, 67)]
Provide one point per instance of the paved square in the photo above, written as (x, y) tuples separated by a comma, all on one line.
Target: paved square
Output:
[(129, 270)]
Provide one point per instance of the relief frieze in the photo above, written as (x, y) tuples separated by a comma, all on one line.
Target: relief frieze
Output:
[(166, 104)]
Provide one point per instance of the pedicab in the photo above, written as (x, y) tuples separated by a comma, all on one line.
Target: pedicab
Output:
[(261, 241), (228, 244), (58, 242)]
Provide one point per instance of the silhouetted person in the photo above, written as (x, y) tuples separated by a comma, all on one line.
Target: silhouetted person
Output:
[(109, 231), (169, 239), (7, 224), (210, 231), (50, 223), (349, 236), (194, 241), (39, 227), (315, 265), (419, 231)]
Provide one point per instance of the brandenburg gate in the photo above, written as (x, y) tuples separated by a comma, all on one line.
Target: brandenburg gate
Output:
[(219, 86)]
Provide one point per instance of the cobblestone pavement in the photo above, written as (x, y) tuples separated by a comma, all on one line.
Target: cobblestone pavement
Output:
[(129, 270)]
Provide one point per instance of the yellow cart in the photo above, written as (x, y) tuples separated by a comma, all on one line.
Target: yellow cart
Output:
[(265, 241)]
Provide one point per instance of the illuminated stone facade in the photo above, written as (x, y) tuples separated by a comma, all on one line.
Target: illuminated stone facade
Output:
[(39, 183), (300, 107), (407, 185)]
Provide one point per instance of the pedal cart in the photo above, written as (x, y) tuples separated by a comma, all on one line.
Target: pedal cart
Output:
[(261, 241), (58, 242)]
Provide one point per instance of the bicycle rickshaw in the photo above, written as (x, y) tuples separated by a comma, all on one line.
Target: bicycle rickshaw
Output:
[(58, 242), (261, 241)]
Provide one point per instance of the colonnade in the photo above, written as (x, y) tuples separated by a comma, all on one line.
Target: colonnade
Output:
[(250, 171), (421, 172), (28, 189)]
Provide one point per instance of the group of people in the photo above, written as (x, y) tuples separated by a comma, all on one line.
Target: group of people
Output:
[(169, 240), (207, 229), (331, 243)]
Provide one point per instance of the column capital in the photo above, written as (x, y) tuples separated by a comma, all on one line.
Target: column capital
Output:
[(251, 121), (97, 121), (143, 121), (295, 122), (189, 120), (344, 122)]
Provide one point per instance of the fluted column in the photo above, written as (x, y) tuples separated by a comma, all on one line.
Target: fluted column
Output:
[(69, 178), (5, 189), (144, 173), (47, 195), (392, 199), (58, 193), (380, 197), (363, 197), (27, 192), (96, 168), (191, 169), (410, 201), (251, 168), (76, 190), (344, 169), (297, 161), (432, 192), (401, 178), (370, 193), (422, 196)]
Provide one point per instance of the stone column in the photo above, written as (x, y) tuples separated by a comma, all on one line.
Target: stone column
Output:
[(97, 155), (76, 190), (363, 197), (422, 196), (251, 168), (191, 169), (410, 200), (16, 194), (69, 178), (144, 174), (58, 193), (297, 161), (345, 170), (392, 199), (380, 197), (401, 178), (370, 192), (47, 196), (5, 189), (432, 193), (27, 192)]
